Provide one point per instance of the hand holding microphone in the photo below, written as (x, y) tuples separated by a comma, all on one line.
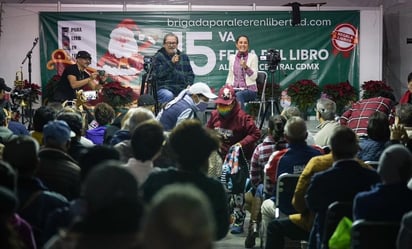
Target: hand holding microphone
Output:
[(176, 57), (243, 62)]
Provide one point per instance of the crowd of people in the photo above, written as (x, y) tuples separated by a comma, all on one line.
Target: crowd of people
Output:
[(141, 179)]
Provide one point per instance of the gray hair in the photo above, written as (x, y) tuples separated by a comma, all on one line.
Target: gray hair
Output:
[(135, 116), (295, 130), (326, 108)]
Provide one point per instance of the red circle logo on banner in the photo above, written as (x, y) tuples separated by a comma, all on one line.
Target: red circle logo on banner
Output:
[(344, 39)]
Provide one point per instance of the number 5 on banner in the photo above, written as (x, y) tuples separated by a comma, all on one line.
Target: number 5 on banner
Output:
[(191, 49)]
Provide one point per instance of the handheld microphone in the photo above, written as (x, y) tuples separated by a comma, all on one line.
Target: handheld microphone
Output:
[(177, 52)]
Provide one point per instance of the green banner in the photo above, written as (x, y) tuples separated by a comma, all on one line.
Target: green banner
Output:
[(322, 48)]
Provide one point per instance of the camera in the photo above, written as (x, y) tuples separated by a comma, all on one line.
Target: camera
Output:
[(272, 57), (147, 62)]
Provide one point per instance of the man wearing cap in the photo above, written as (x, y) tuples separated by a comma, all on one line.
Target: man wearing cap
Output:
[(234, 127), (57, 169), (185, 105), (75, 77), (4, 103)]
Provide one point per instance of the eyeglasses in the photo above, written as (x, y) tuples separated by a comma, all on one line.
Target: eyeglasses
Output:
[(171, 43)]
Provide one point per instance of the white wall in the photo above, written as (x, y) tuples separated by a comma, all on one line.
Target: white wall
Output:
[(20, 26)]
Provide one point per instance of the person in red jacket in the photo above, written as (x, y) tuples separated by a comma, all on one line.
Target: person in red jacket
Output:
[(406, 97), (235, 127)]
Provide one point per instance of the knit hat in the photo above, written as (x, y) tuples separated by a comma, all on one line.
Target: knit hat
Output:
[(84, 55)]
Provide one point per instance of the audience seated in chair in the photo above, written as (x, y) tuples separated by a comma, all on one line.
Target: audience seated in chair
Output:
[(104, 115), (325, 114), (36, 201), (273, 141), (339, 183), (390, 199), (378, 135), (179, 216), (291, 160), (113, 213), (14, 229), (192, 158), (41, 116), (147, 141), (57, 169), (404, 240)]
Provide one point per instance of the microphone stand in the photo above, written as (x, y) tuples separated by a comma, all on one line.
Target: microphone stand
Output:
[(28, 56)]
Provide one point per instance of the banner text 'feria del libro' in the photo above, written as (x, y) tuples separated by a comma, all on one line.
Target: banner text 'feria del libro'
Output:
[(322, 48)]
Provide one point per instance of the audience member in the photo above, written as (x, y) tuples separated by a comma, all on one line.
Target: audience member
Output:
[(325, 114), (291, 160), (57, 169), (133, 118), (404, 117), (5, 133), (406, 97), (192, 158), (273, 141), (36, 201), (41, 116), (147, 141), (61, 218), (235, 127), (339, 183), (357, 116), (243, 71), (172, 71), (180, 216), (19, 230), (104, 115), (293, 111), (404, 240), (114, 211), (185, 105), (8, 237), (390, 199), (77, 144), (378, 135), (233, 124), (4, 102), (147, 101)]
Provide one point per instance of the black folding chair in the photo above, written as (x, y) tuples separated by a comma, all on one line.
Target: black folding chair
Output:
[(374, 234), (336, 211)]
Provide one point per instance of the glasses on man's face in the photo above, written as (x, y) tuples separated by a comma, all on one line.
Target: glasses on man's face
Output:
[(171, 43)]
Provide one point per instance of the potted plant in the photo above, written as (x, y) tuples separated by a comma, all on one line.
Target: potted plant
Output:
[(371, 88), (343, 94), (304, 94), (117, 95)]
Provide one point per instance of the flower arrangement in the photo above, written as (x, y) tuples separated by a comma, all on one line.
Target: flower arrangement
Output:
[(373, 87), (27, 92), (342, 93), (117, 95), (304, 94)]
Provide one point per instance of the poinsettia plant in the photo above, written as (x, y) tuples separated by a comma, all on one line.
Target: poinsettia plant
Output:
[(117, 95), (27, 92), (304, 94), (373, 87), (343, 94)]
